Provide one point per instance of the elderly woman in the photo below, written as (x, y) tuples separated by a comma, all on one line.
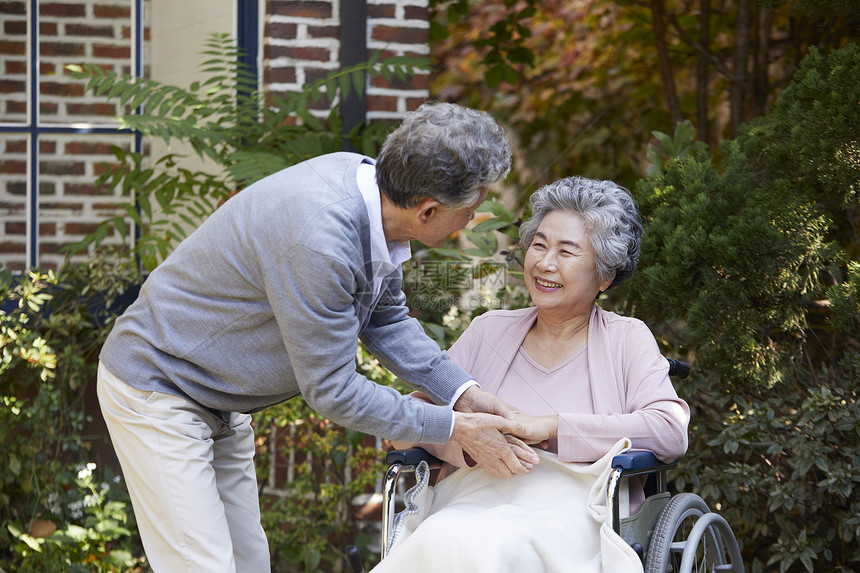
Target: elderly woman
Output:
[(593, 383)]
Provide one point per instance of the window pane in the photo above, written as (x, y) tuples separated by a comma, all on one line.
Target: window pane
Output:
[(13, 61), (13, 201), (70, 205), (93, 32)]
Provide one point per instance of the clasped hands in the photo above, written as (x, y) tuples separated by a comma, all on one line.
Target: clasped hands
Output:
[(496, 435)]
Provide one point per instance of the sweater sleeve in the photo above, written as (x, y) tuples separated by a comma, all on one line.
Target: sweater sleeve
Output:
[(401, 345), (462, 352), (314, 309), (449, 452), (655, 418)]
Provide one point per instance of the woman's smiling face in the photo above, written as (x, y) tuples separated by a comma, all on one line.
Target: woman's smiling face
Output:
[(560, 267)]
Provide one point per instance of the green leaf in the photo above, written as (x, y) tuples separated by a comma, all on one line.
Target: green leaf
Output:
[(490, 225), (133, 213), (521, 55), (486, 243), (359, 81), (100, 233), (450, 253), (120, 226), (145, 205), (496, 208), (494, 76), (343, 82), (501, 72), (434, 331)]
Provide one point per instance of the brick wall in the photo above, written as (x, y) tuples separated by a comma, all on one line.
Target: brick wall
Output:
[(13, 200), (69, 205), (93, 31), (301, 42)]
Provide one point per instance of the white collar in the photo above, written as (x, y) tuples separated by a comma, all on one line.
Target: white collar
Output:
[(387, 257)]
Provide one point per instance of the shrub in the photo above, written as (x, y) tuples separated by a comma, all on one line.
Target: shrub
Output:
[(314, 519), (52, 326), (750, 266), (94, 538)]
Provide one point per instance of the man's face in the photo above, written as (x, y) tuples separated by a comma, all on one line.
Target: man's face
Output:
[(441, 222)]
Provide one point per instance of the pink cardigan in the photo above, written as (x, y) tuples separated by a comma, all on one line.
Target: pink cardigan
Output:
[(632, 395)]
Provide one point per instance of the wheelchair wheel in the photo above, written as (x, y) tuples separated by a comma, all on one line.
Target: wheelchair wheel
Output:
[(689, 538)]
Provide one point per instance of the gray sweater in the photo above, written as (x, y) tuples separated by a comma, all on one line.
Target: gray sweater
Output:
[(267, 300)]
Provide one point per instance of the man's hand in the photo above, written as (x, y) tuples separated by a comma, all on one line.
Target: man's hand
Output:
[(539, 429), (476, 400), (482, 436)]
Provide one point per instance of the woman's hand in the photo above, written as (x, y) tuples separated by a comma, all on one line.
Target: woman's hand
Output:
[(522, 450), (541, 429)]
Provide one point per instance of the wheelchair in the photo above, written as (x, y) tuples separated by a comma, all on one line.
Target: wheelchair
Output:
[(670, 533)]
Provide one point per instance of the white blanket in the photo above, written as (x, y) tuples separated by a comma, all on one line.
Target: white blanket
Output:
[(553, 519)]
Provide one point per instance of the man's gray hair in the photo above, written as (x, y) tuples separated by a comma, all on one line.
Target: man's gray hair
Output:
[(445, 152), (610, 216)]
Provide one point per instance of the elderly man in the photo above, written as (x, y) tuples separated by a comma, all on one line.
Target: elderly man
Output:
[(266, 301)]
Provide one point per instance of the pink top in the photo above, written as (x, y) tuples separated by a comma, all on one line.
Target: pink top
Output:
[(617, 387), (539, 391)]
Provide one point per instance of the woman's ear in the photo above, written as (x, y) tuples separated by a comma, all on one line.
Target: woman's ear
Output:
[(605, 284)]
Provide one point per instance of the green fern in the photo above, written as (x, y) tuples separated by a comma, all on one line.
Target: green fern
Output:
[(227, 120)]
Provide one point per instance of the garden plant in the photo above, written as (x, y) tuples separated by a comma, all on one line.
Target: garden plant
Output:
[(60, 511), (750, 268)]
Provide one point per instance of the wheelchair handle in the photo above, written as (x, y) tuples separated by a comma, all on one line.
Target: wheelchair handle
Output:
[(353, 555), (678, 368), (412, 457)]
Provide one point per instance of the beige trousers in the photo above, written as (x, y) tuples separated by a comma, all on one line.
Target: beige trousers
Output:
[(191, 479)]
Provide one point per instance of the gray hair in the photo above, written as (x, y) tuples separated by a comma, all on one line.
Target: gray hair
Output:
[(610, 216), (445, 152)]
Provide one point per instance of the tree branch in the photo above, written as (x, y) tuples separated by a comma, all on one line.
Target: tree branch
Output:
[(658, 16), (702, 76), (701, 49), (737, 90)]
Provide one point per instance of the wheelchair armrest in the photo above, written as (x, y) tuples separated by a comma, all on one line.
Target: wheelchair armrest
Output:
[(634, 460), (630, 464), (640, 462), (412, 457)]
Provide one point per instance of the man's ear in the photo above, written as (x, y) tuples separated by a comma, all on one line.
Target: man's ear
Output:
[(427, 209)]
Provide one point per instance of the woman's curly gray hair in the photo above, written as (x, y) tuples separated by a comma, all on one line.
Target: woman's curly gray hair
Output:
[(610, 215), (445, 152)]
